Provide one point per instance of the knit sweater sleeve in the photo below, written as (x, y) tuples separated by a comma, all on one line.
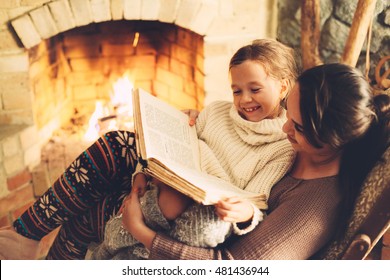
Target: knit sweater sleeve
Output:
[(301, 222)]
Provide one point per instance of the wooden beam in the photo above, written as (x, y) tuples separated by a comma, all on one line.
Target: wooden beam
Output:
[(358, 32), (310, 33)]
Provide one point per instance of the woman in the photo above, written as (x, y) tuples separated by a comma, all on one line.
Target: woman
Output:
[(339, 130)]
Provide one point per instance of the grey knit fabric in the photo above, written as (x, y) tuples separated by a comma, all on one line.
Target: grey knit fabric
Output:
[(119, 243), (200, 226), (197, 226)]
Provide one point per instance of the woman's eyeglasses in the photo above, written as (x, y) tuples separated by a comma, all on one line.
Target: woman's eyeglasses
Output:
[(298, 127)]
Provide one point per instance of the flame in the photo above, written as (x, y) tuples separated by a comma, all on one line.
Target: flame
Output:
[(115, 114), (93, 125)]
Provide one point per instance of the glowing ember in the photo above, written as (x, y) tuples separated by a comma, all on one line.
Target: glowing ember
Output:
[(117, 114)]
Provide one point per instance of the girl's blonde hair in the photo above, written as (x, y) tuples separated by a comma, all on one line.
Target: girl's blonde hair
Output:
[(277, 59)]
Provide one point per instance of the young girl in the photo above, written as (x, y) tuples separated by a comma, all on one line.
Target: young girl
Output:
[(240, 142)]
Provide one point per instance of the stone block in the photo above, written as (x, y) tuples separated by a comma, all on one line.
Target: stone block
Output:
[(4, 17), (44, 22), (146, 85), (100, 10), (22, 178), (169, 78), (199, 77), (142, 73), (29, 136), (186, 11), (138, 61), (163, 61), (14, 63), (11, 146), (161, 90), (204, 17), (117, 9), (16, 117), (150, 9), (82, 11), (132, 9), (7, 41), (16, 199), (168, 11), (84, 64), (32, 156), (62, 15), (3, 182), (20, 210), (15, 91), (9, 4), (87, 92), (180, 100), (180, 68), (115, 50), (40, 178), (21, 98), (14, 164), (182, 54), (82, 51), (186, 39)]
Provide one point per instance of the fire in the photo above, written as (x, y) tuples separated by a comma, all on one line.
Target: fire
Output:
[(117, 114)]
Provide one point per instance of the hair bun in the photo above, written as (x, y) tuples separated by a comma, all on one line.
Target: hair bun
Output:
[(382, 107)]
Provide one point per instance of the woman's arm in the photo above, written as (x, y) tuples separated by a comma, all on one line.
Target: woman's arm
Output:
[(302, 221)]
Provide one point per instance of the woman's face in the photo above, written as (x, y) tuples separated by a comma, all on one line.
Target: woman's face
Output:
[(294, 129), (256, 95)]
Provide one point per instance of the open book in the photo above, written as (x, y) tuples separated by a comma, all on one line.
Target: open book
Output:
[(169, 149)]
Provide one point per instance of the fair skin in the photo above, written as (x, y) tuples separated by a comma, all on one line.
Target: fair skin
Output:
[(313, 162), (310, 163), (256, 96)]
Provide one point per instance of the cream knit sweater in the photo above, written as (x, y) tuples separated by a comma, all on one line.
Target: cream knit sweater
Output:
[(251, 155)]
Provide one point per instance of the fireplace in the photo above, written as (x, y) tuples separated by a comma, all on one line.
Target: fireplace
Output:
[(58, 57), (71, 71)]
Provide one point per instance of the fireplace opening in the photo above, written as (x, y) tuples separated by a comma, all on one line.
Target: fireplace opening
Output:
[(77, 75), (71, 71)]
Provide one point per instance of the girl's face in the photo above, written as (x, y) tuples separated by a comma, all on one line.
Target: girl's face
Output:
[(256, 95)]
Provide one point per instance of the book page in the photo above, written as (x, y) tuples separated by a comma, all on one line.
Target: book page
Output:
[(167, 135), (202, 187)]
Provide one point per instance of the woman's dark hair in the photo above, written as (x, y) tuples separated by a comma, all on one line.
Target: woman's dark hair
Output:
[(338, 109)]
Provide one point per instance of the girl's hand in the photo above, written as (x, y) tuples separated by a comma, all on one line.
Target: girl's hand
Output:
[(133, 220), (234, 209), (192, 115)]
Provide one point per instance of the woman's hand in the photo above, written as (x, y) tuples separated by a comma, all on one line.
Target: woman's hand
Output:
[(192, 115), (234, 209), (133, 220)]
